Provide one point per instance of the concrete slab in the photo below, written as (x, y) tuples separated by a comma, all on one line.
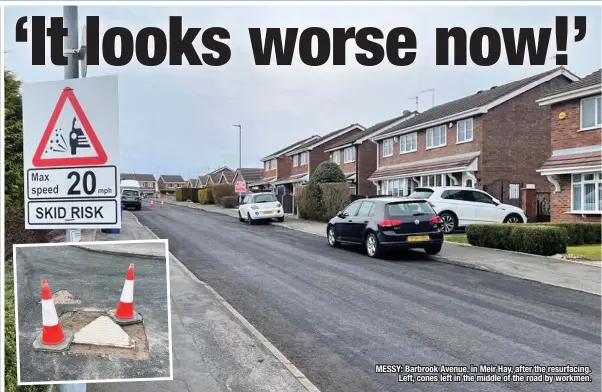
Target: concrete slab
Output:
[(103, 332)]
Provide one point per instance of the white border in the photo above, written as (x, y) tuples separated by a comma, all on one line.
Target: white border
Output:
[(2, 215), (95, 243), (311, 3)]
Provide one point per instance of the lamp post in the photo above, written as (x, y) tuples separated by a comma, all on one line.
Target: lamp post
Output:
[(239, 151)]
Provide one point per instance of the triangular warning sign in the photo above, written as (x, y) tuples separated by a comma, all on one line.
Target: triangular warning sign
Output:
[(69, 139)]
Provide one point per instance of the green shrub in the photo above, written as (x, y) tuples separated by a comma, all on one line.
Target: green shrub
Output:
[(179, 195), (315, 204), (327, 171), (205, 196), (335, 197), (301, 201), (581, 233), (230, 201), (221, 190), (545, 240)]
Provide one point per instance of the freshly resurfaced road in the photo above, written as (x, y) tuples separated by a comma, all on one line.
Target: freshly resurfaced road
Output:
[(335, 313)]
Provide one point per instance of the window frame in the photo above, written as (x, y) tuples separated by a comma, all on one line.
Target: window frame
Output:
[(352, 204), (432, 130), (392, 147), (336, 157), (596, 98), (275, 163), (465, 121), (295, 160), (370, 211), (597, 181), (352, 149), (414, 142), (302, 155)]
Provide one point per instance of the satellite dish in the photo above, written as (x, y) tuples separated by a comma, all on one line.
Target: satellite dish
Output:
[(83, 53), (406, 112)]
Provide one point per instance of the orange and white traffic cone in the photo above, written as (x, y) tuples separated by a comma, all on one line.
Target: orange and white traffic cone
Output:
[(152, 203), (53, 337), (125, 314)]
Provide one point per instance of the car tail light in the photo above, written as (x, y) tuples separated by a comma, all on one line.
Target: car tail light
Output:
[(436, 220), (387, 223)]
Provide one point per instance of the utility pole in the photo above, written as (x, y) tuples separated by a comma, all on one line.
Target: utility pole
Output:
[(71, 50), (415, 99), (432, 91)]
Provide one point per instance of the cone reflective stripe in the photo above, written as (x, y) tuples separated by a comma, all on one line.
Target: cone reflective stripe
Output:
[(52, 333), (125, 309)]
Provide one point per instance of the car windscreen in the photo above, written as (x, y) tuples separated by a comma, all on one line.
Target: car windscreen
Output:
[(421, 193), (264, 199), (409, 208), (129, 193)]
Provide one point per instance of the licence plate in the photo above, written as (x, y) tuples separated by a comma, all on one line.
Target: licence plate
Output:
[(418, 238), (267, 212)]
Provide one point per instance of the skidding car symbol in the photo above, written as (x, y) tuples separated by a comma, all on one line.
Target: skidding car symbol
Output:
[(77, 139)]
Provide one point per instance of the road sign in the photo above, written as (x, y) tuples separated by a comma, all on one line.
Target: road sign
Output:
[(71, 154), (240, 187)]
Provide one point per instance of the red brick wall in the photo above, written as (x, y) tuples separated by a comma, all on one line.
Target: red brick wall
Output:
[(422, 153), (285, 164), (318, 155), (560, 204), (366, 159), (517, 138), (565, 133), (299, 169)]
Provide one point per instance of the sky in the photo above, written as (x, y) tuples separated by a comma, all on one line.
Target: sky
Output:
[(178, 119)]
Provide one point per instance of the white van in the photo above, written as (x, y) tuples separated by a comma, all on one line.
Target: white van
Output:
[(130, 194)]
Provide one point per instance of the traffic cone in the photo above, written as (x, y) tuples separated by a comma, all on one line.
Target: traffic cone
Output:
[(53, 337), (162, 203), (124, 314), (152, 203)]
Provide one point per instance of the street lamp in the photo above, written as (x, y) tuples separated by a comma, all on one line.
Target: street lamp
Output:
[(239, 144)]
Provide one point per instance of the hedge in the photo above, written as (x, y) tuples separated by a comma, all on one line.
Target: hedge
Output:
[(205, 196), (545, 240), (321, 202), (230, 201), (335, 197), (581, 233), (301, 201), (221, 190)]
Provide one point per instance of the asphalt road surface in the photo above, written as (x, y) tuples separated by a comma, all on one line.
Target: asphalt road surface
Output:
[(97, 280), (335, 313)]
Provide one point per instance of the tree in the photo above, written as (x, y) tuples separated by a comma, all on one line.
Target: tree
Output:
[(13, 143), (326, 172)]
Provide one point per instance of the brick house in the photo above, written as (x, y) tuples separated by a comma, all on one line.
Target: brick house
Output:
[(276, 166), (356, 155), (215, 176), (191, 183), (202, 181), (148, 183), (494, 140), (248, 175), (226, 177), (168, 183), (574, 166)]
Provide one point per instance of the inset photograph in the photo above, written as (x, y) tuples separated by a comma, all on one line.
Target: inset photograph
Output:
[(93, 312)]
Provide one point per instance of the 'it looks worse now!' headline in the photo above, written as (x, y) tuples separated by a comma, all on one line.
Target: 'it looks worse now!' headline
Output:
[(315, 46)]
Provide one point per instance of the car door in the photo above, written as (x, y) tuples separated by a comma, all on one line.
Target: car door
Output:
[(361, 220), (460, 202), (486, 210), (344, 226), (243, 207)]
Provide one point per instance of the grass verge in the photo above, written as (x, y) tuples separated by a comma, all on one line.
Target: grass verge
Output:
[(590, 252), (457, 238)]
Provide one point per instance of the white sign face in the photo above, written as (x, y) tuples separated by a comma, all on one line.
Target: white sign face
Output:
[(73, 214), (71, 152)]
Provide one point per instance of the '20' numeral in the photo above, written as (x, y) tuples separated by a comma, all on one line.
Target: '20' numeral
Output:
[(88, 182)]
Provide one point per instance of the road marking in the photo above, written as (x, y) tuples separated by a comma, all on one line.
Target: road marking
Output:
[(308, 385)]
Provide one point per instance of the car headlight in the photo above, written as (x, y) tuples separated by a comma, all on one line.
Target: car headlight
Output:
[(254, 207), (278, 205)]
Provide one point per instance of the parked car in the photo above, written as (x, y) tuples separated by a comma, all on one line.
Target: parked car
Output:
[(130, 194), (262, 206), (462, 206), (386, 223)]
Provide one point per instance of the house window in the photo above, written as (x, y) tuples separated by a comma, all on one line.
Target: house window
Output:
[(349, 154), (464, 131), (387, 147), (352, 189), (336, 157), (304, 158), (436, 137), (295, 160), (586, 192), (591, 112), (273, 164), (408, 143), (396, 187), (266, 166)]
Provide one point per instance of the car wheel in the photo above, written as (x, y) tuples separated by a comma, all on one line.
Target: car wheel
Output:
[(432, 249), (513, 218), (332, 238), (249, 219), (448, 222), (138, 208), (372, 246), (240, 218), (281, 219)]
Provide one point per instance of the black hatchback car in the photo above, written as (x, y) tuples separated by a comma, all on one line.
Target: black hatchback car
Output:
[(386, 223)]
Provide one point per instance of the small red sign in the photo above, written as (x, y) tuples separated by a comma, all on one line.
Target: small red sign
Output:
[(240, 187)]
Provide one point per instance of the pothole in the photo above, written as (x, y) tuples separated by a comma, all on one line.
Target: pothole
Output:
[(75, 321), (63, 297)]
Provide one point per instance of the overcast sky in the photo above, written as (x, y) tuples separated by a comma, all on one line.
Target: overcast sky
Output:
[(178, 120)]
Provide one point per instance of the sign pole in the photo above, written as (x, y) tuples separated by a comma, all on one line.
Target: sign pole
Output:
[(71, 72)]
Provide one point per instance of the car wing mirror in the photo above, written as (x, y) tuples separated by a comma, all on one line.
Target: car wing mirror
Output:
[(340, 214), (496, 201)]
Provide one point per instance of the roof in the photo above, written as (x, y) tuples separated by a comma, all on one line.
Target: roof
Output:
[(229, 175), (478, 102), (289, 147), (565, 162), (324, 139), (138, 177), (425, 166), (589, 85), (216, 174), (172, 178), (355, 137), (251, 174)]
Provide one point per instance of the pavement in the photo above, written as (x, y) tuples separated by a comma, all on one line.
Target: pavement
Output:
[(581, 276), (335, 313), (214, 348), (96, 280)]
